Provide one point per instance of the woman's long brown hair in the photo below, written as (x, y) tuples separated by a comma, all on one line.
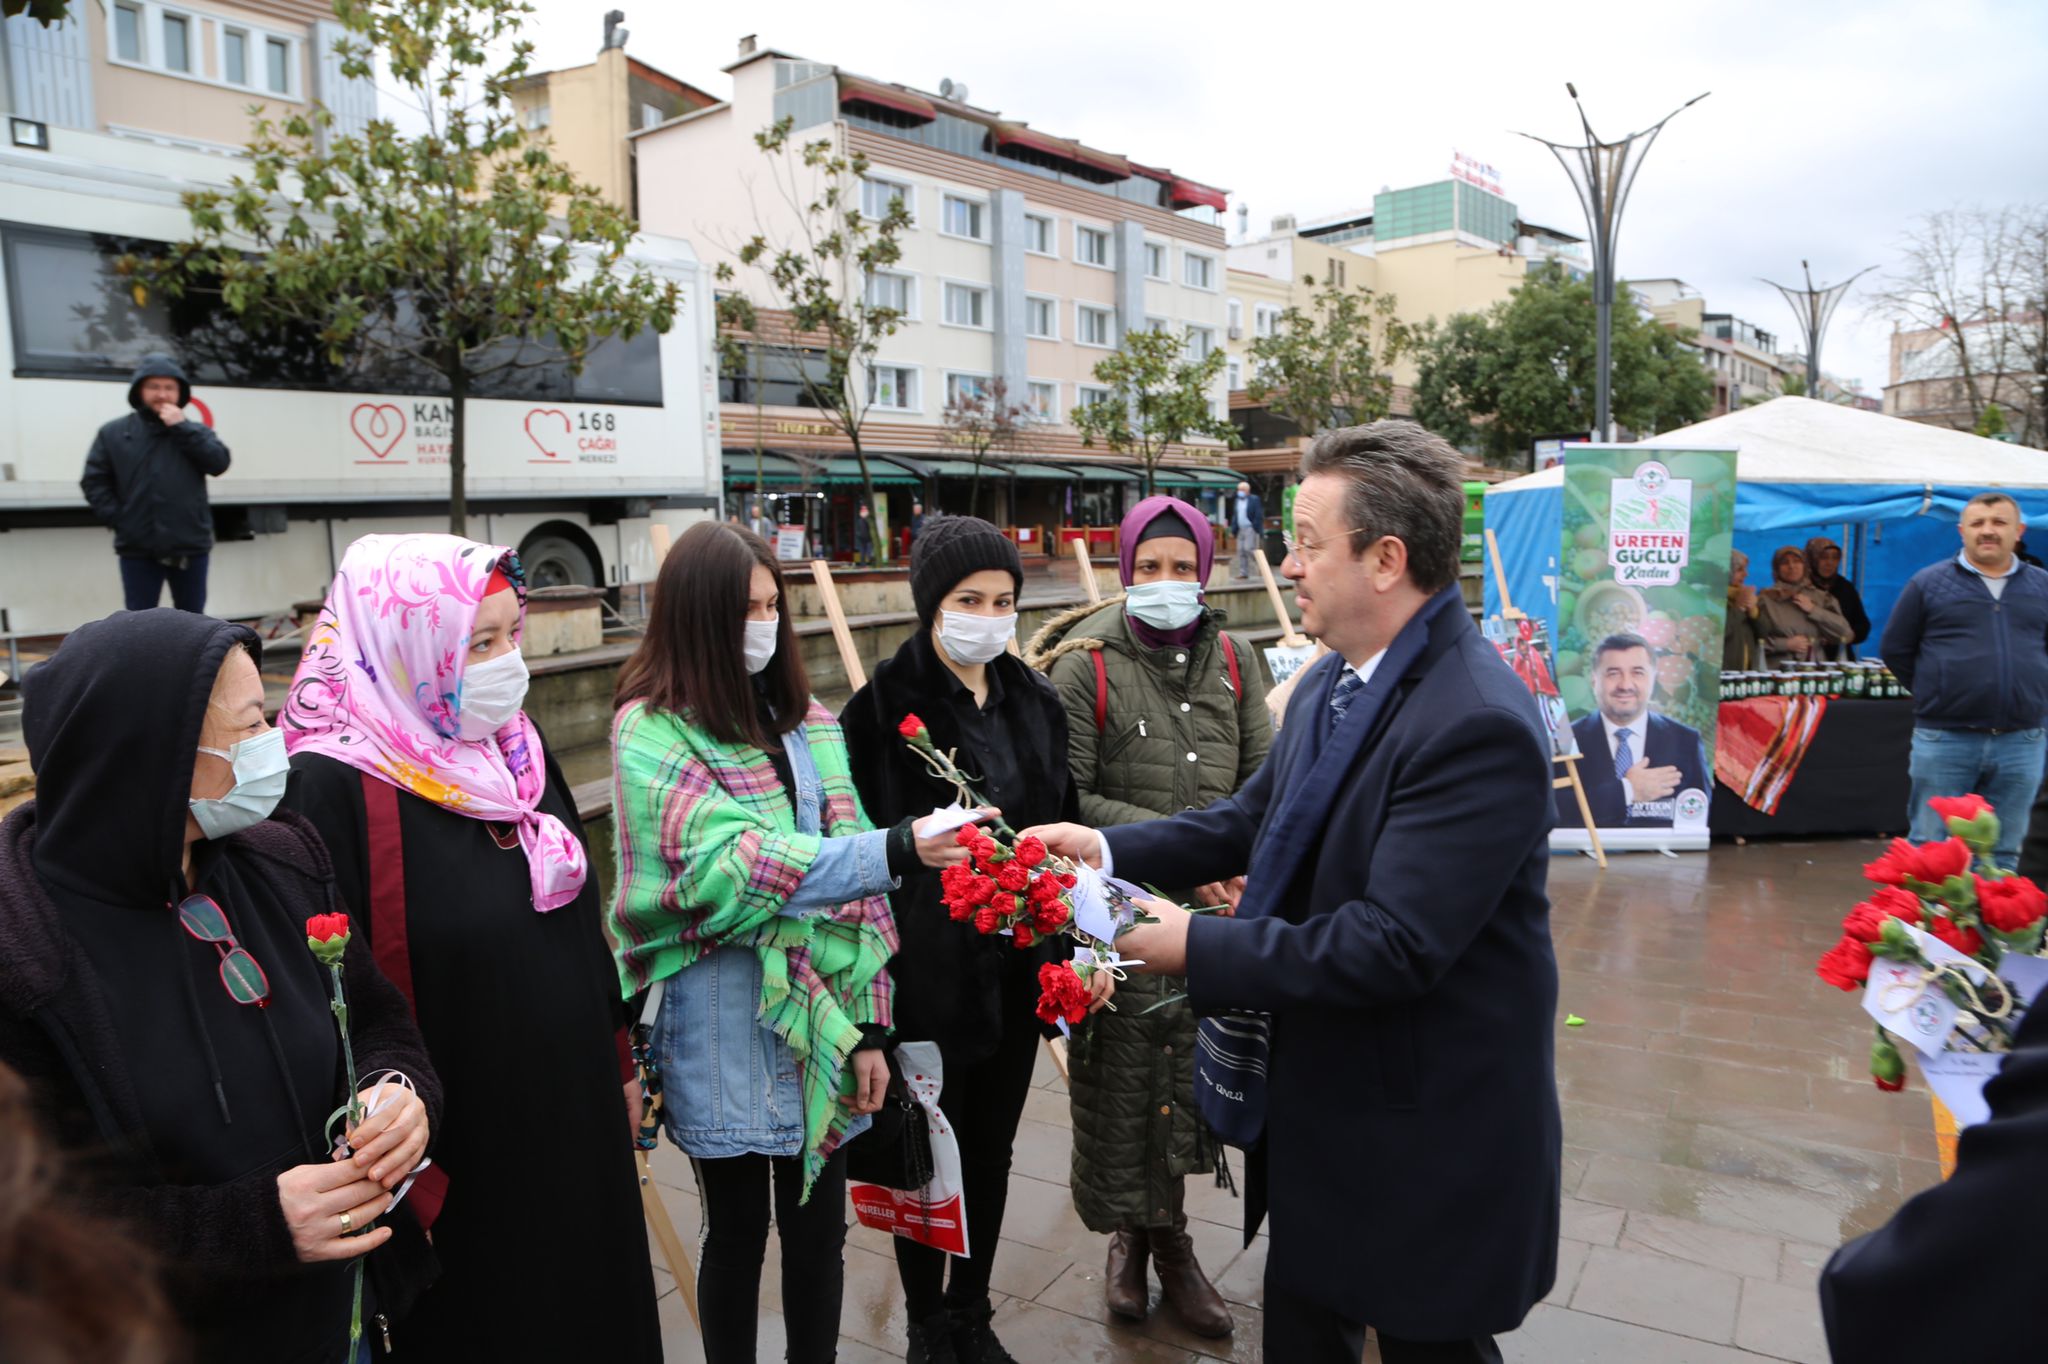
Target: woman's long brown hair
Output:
[(694, 657)]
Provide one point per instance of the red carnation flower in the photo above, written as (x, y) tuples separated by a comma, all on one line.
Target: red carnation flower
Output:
[(1866, 922), (1960, 807), (985, 919), (981, 890), (1062, 994), (1887, 1067), (1012, 877), (960, 910), (967, 837), (1022, 936), (1050, 917), (1068, 880), (2010, 904), (1891, 1086), (1939, 861), (1899, 861), (1967, 941), (911, 728), (1846, 965), (322, 927), (1031, 850)]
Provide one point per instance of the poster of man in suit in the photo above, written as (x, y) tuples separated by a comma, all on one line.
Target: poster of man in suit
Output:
[(1636, 762)]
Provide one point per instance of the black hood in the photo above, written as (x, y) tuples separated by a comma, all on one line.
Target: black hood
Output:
[(112, 722), (157, 367)]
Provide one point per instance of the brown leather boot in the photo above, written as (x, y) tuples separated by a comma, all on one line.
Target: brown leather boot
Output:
[(1200, 1306), (1124, 1287)]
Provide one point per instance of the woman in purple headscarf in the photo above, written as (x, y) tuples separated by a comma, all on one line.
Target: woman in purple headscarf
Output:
[(1165, 712)]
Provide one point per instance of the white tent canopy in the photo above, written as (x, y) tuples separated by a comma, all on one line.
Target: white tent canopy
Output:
[(1803, 440)]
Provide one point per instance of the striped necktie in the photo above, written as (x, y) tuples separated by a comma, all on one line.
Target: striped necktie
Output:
[(1348, 687), (1624, 755)]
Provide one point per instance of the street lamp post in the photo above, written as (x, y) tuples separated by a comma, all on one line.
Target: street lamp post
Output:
[(1813, 307), (1603, 173)]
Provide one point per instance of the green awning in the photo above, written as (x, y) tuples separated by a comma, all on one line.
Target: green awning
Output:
[(1104, 473), (1218, 479), (1031, 468), (739, 468), (963, 468), (846, 469)]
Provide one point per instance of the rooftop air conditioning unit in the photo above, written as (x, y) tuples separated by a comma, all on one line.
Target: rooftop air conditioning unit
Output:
[(1236, 332), (1284, 223)]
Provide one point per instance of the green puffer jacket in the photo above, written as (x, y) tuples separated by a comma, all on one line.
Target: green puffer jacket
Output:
[(1174, 738)]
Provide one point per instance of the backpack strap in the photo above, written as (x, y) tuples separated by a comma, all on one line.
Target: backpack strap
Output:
[(1229, 661), (1101, 691)]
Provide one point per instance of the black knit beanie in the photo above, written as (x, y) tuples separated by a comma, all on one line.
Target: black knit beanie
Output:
[(952, 548)]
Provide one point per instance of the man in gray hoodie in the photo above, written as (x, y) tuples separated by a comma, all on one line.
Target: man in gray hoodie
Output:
[(146, 480)]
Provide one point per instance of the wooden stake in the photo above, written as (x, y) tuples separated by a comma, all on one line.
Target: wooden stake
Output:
[(1500, 578), (1057, 1046), (828, 592), (1571, 779), (1289, 636), (1088, 583), (679, 1266)]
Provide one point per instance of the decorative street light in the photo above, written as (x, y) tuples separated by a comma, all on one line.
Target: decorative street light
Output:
[(1602, 173), (1813, 307)]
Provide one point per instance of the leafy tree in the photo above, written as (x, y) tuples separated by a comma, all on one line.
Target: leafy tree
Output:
[(44, 12), (1992, 423), (820, 272), (432, 254), (1792, 386), (979, 420), (1158, 397), (1497, 381), (1327, 365)]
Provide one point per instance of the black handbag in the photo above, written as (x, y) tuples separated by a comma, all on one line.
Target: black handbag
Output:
[(896, 1150)]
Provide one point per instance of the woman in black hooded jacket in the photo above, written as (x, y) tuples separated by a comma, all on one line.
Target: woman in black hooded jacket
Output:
[(190, 1093)]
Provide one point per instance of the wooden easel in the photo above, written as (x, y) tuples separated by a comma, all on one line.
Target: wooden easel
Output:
[(1571, 764)]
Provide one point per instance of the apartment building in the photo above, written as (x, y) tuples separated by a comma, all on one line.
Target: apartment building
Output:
[(586, 111), (1933, 371), (178, 73), (1741, 357), (1029, 257)]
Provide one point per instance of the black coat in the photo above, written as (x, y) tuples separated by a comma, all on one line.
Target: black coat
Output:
[(1412, 1143), (1984, 1222), (949, 977), (1666, 743), (147, 481), (165, 1095)]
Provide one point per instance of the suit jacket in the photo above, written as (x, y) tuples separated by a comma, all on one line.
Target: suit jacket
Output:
[(1412, 1142), (1875, 1293), (1666, 743), (1252, 503)]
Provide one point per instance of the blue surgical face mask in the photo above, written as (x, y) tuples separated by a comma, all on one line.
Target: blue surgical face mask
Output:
[(261, 771), (1164, 605)]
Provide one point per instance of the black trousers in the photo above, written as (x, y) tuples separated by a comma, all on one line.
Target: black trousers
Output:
[(1303, 1332), (984, 1103), (736, 1193), (143, 580)]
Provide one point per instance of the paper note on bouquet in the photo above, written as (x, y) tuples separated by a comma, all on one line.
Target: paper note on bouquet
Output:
[(1092, 914), (1958, 1079), (1908, 1005), (935, 1215), (945, 821), (2025, 974)]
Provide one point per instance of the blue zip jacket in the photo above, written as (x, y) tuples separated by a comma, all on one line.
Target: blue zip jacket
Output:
[(1972, 661)]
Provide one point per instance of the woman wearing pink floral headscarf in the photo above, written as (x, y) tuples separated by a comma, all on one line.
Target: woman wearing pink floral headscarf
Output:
[(458, 850)]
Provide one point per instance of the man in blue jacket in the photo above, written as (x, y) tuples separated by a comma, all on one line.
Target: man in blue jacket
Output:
[(145, 479), (1377, 1019), (1969, 638)]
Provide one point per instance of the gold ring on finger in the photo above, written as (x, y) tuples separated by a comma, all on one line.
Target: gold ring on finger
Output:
[(348, 1223)]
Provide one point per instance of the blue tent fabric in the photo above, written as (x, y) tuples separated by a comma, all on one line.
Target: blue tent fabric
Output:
[(1527, 524)]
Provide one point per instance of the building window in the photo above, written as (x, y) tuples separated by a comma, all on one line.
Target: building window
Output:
[(965, 388), (1265, 320), (887, 289), (234, 56), (1234, 317), (1088, 395), (538, 117), (893, 387), (1155, 324), (1091, 246), (1155, 261), (875, 196), (128, 32), (967, 306), (277, 54), (177, 42), (1334, 273), (650, 114), (1233, 371), (1198, 272), (1039, 237), (1042, 401), (965, 218), (1201, 342), (1094, 326), (1042, 318)]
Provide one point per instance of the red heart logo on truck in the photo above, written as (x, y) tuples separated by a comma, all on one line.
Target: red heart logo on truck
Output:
[(546, 431), (379, 426)]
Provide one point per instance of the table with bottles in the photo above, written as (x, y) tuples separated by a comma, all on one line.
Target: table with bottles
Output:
[(1854, 778)]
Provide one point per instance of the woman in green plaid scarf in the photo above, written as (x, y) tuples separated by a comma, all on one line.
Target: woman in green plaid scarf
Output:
[(752, 892)]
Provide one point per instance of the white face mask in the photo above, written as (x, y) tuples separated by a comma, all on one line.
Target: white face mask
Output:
[(759, 645), (1164, 605), (492, 694), (971, 639), (261, 771)]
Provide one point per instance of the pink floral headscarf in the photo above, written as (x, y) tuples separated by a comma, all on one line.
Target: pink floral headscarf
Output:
[(380, 688)]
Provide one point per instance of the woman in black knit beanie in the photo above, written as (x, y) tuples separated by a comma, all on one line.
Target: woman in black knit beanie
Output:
[(973, 995)]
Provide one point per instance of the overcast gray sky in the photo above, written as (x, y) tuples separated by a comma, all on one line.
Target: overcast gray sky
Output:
[(1830, 127)]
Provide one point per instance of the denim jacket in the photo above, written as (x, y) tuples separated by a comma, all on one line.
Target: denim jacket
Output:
[(730, 1083)]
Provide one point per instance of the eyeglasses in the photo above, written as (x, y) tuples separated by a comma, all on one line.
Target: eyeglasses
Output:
[(1299, 548), (240, 975)]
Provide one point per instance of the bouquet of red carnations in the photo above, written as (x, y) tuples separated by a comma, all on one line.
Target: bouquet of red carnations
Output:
[(1945, 949)]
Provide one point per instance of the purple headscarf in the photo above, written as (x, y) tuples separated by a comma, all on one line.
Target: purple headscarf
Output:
[(1198, 530)]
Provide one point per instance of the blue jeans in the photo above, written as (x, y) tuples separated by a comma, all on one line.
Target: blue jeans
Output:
[(142, 583), (2005, 769)]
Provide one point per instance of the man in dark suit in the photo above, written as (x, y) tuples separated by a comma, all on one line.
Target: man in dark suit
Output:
[(1634, 763), (1248, 521), (1389, 979)]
